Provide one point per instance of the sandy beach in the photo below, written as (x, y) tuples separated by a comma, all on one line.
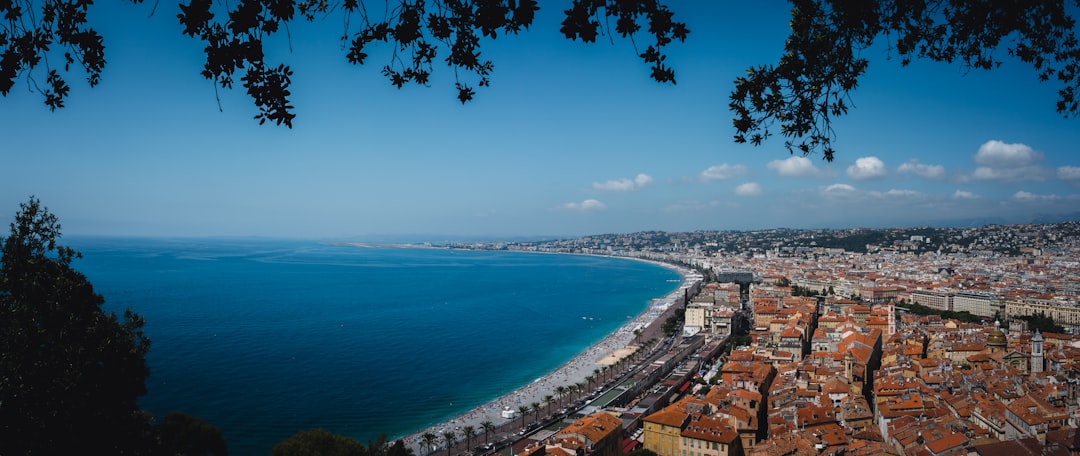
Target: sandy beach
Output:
[(605, 352)]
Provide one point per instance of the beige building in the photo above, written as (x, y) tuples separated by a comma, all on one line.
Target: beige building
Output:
[(663, 431), (601, 433), (981, 304), (1064, 313), (933, 299), (709, 436)]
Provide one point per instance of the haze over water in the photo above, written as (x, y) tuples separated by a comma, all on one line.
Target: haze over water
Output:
[(264, 338)]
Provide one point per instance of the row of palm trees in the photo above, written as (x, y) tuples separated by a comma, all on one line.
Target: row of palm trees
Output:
[(450, 437), (600, 374)]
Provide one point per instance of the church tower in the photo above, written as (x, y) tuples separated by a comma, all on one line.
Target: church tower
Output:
[(1037, 353), (996, 341), (892, 318), (849, 361)]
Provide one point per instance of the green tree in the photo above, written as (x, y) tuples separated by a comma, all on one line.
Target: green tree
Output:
[(186, 435), (672, 323), (488, 427), (822, 58), (449, 437), (319, 442), (469, 432), (1039, 321), (70, 373), (523, 410), (429, 440), (642, 451), (233, 34), (398, 448)]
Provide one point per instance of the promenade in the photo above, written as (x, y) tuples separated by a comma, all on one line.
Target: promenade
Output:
[(606, 352)]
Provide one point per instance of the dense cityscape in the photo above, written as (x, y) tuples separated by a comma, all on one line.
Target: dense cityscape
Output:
[(918, 341)]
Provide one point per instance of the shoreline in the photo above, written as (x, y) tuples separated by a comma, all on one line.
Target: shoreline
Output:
[(574, 371)]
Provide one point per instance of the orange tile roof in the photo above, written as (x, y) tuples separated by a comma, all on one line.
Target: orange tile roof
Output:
[(595, 427), (950, 441), (669, 416), (710, 429)]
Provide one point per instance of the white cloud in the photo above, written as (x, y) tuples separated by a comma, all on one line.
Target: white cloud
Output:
[(624, 185), (960, 194), (721, 172), (997, 154), (839, 187), (904, 193), (926, 171), (838, 190), (588, 205), (748, 189), (867, 168), (1007, 174), (1069, 174), (796, 167), (1023, 196), (1004, 162)]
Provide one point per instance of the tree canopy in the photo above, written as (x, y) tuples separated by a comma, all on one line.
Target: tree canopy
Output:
[(325, 443), (70, 373), (182, 434), (822, 62), (798, 96)]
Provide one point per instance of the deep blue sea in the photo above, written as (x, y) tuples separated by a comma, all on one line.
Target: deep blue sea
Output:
[(264, 338)]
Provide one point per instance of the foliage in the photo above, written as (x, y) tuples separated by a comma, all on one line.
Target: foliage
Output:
[(1042, 323), (233, 33), (319, 442), (822, 62), (797, 97), (797, 290), (962, 316), (70, 372), (186, 435), (641, 451), (673, 322)]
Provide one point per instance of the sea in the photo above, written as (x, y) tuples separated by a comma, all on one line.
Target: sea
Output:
[(264, 338)]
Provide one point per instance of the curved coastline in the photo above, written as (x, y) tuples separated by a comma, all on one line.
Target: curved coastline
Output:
[(571, 372)]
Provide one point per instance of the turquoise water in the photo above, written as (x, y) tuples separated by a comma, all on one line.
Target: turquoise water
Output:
[(265, 338)]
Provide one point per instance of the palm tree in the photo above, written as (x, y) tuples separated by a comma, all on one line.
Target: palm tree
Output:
[(535, 406), (560, 391), (449, 438), (469, 432), (429, 442), (523, 410), (488, 427), (547, 403), (580, 386), (589, 379)]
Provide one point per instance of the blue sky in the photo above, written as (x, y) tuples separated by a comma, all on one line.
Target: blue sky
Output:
[(570, 139)]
